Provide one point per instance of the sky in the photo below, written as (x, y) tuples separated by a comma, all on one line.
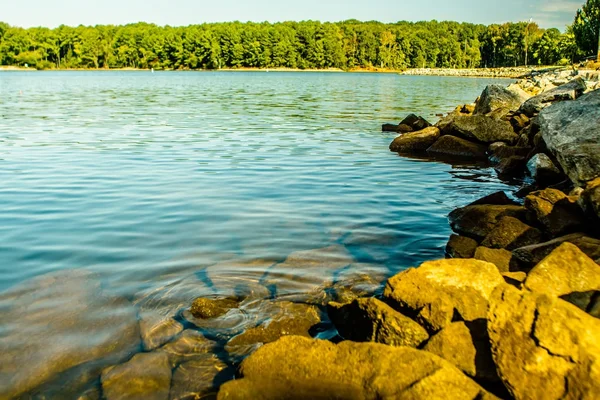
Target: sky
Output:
[(52, 13)]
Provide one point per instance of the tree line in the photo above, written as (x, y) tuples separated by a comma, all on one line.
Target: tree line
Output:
[(304, 45)]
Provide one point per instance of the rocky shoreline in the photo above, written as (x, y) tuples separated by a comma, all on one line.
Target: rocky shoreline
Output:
[(515, 72), (513, 312)]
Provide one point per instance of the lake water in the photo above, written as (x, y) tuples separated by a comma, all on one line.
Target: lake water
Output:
[(146, 178)]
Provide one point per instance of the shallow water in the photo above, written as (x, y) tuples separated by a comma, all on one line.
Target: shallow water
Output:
[(148, 178)]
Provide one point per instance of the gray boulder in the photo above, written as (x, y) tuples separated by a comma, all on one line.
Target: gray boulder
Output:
[(497, 97), (569, 91), (541, 168), (571, 132)]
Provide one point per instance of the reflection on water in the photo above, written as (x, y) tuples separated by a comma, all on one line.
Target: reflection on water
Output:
[(170, 186)]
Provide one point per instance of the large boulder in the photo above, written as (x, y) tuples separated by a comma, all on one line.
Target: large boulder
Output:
[(454, 147), (300, 368), (544, 347), (460, 247), (556, 212), (510, 233), (481, 128), (371, 320), (571, 132), (62, 323), (415, 142), (541, 168), (568, 91), (439, 291), (566, 270), (499, 257), (497, 97), (145, 376), (415, 122), (478, 220)]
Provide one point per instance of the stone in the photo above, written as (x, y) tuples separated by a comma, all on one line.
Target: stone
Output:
[(571, 132), (470, 352), (438, 291), (360, 280), (145, 376), (543, 347), (497, 97), (586, 301), (415, 142), (187, 346), (589, 200), (157, 330), (415, 122), (555, 211), (514, 278), (206, 308), (511, 167), (62, 323), (477, 221), (301, 368), (569, 91), (497, 198), (499, 151), (510, 233), (461, 247), (516, 89), (452, 146), (529, 256), (566, 270), (400, 128), (541, 168), (499, 257), (519, 122), (371, 320), (481, 129), (200, 379)]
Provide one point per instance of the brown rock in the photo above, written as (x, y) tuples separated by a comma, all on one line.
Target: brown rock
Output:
[(481, 129), (510, 233), (157, 330), (512, 167), (189, 345), (555, 211), (499, 257), (461, 247), (477, 221), (200, 379), (452, 146), (415, 142), (514, 278), (206, 308), (501, 151)]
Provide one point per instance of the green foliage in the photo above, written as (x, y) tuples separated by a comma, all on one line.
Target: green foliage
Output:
[(586, 27), (307, 44)]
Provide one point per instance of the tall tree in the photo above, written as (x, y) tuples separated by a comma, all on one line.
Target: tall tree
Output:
[(586, 28)]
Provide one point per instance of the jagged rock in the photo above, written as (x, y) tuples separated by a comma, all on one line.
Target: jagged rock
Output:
[(497, 198), (415, 122), (515, 278), (479, 220), (542, 169), (470, 352), (566, 270), (461, 247), (510, 233), (499, 257), (301, 368), (415, 141), (543, 347), (200, 379), (437, 291), (188, 346), (529, 256), (480, 128), (206, 308), (586, 301), (497, 97), (400, 128), (516, 89), (145, 376), (571, 132), (499, 151), (569, 91), (555, 211), (62, 323), (511, 167), (452, 146), (371, 320)]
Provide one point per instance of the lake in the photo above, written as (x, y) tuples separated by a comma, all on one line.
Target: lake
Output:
[(151, 179)]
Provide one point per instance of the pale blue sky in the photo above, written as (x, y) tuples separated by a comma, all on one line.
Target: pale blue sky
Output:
[(26, 13)]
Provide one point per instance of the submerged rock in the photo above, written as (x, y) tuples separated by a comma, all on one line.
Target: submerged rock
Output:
[(461, 247), (200, 379), (452, 146), (188, 346), (371, 320), (62, 323), (301, 368), (543, 347), (415, 142), (145, 376), (206, 308), (477, 221), (438, 291), (157, 330)]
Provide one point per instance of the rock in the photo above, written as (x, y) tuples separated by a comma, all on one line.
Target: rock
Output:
[(499, 151), (469, 352), (415, 122), (499, 257), (543, 347), (516, 89), (519, 122), (315, 369), (438, 291), (401, 128), (571, 132), (555, 211), (589, 200), (514, 278), (481, 128), (496, 97), (371, 320), (157, 330), (415, 141), (542, 169), (529, 256), (569, 91), (145, 376), (510, 233), (206, 308), (361, 280), (497, 198), (468, 109), (200, 379), (477, 221), (566, 270), (62, 323), (461, 247), (452, 146), (512, 167), (189, 345), (586, 301)]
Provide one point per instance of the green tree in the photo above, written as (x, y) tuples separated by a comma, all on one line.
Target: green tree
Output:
[(586, 28)]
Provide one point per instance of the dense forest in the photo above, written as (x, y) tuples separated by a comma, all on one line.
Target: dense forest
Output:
[(308, 44)]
